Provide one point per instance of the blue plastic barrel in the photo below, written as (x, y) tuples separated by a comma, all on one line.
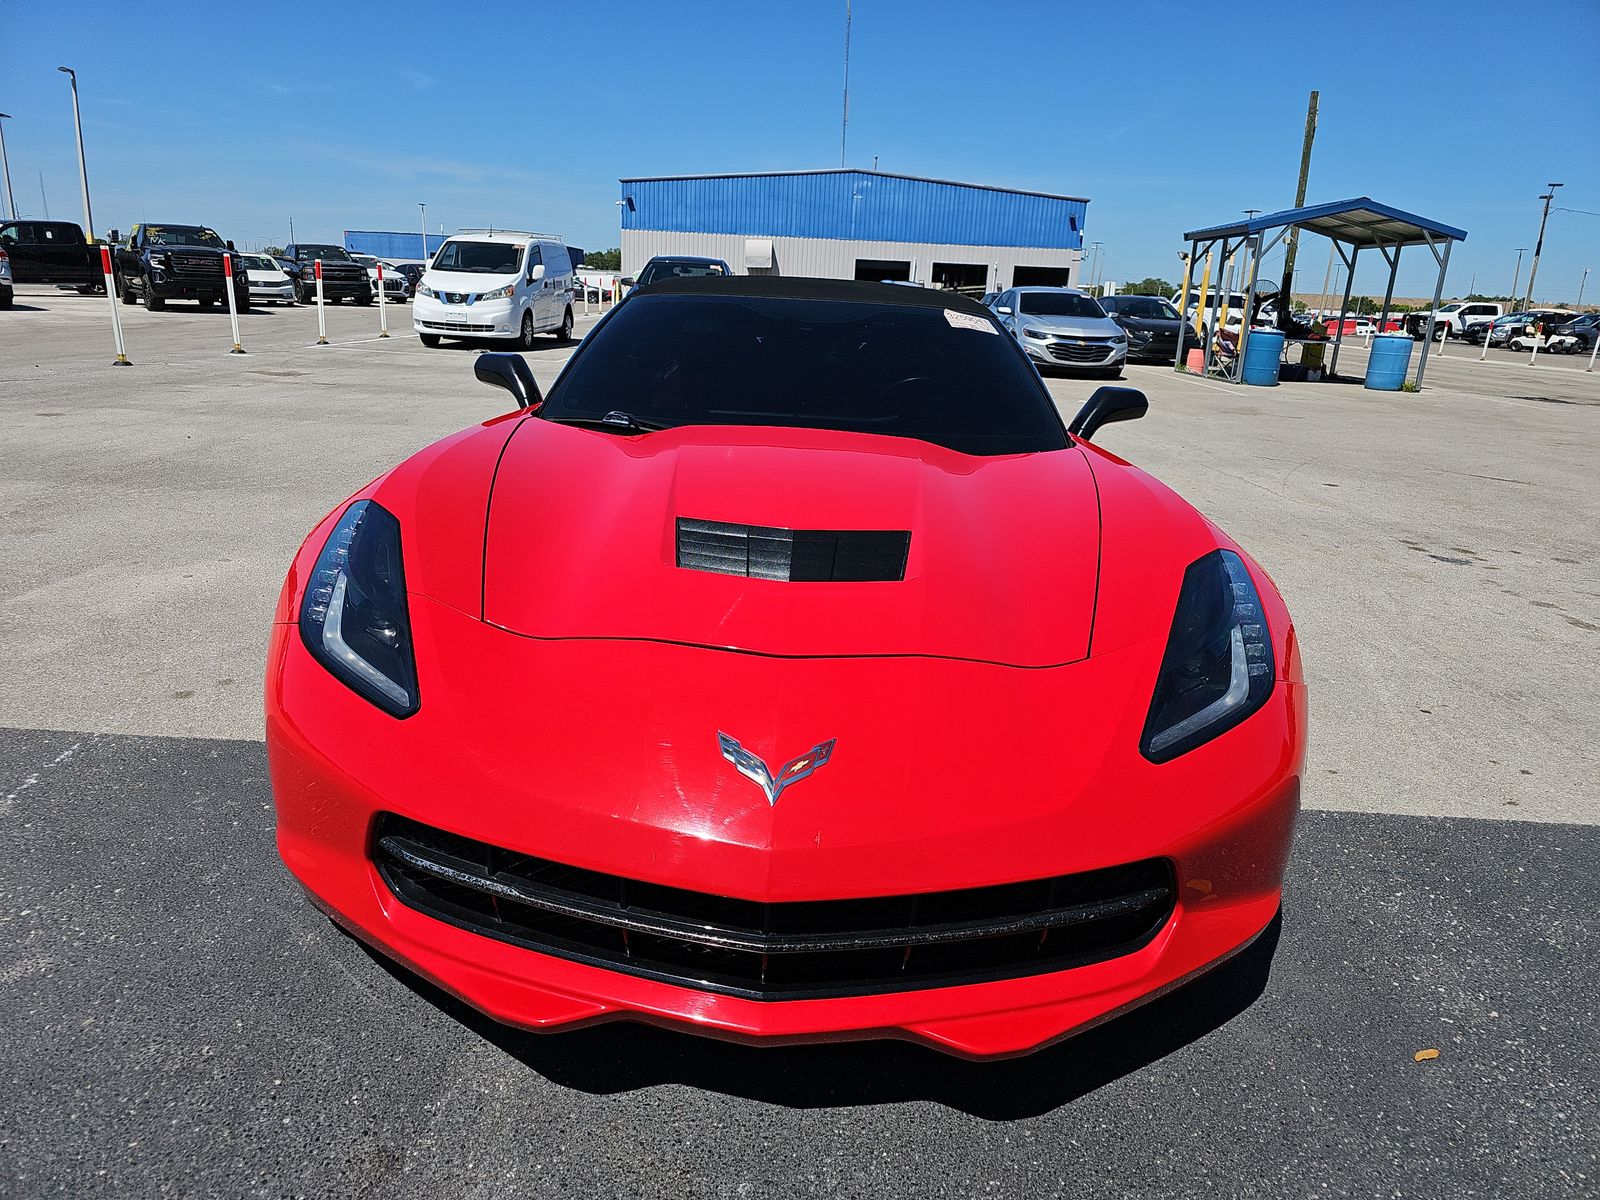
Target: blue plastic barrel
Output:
[(1386, 368), (1261, 357)]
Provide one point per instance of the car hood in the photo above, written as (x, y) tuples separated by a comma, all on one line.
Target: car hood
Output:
[(1151, 324), (1073, 326), (582, 542), (467, 281)]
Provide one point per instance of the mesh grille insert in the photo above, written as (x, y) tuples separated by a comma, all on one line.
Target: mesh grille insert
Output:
[(779, 951)]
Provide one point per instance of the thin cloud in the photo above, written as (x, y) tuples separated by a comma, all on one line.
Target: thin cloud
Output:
[(291, 89), (418, 80)]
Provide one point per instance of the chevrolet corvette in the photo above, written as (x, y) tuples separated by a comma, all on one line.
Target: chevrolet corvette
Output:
[(790, 672)]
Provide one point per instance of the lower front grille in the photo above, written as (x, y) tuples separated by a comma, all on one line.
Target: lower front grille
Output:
[(779, 951), (1088, 352), (456, 327)]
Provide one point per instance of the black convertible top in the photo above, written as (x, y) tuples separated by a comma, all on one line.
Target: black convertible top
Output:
[(790, 287)]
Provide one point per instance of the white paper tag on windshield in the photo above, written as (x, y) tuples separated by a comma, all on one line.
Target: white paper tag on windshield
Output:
[(961, 320)]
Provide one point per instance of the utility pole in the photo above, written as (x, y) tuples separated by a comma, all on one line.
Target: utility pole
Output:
[(6, 166), (1539, 245), (1515, 275), (43, 199), (1581, 284), (1286, 288), (844, 121), (424, 209)]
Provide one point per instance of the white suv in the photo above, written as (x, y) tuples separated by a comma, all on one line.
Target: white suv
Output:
[(495, 284)]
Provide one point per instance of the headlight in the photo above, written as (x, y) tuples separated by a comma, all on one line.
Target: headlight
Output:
[(159, 260), (353, 618), (1041, 334), (499, 293), (424, 290), (1119, 340), (1218, 666)]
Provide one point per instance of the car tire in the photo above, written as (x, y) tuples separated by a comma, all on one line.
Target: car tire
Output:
[(364, 301), (299, 292), (430, 340), (125, 292), (6, 295), (205, 303), (152, 301), (241, 301), (525, 334), (564, 330)]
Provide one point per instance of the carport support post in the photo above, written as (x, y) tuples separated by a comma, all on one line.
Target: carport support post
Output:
[(233, 302), (322, 318), (1344, 306), (1438, 292), (1216, 298), (1388, 293), (1249, 303), (1183, 303)]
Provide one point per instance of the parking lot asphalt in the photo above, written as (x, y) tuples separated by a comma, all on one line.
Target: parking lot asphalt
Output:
[(181, 1022)]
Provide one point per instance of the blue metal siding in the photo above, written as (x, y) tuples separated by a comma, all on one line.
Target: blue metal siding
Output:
[(383, 244), (855, 206)]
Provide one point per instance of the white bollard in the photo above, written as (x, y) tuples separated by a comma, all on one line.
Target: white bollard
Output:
[(383, 312), (1538, 336), (233, 303), (1592, 351), (116, 318), (322, 318), (1487, 330)]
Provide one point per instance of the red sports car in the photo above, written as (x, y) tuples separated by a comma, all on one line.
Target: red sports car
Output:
[(789, 672)]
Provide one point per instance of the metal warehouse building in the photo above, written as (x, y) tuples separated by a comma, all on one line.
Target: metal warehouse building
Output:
[(848, 224)]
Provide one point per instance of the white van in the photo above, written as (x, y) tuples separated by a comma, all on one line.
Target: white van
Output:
[(495, 283)]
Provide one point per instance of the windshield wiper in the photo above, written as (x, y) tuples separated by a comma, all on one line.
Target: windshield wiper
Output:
[(615, 419)]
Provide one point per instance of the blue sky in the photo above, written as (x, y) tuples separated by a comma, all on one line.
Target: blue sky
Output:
[(345, 116)]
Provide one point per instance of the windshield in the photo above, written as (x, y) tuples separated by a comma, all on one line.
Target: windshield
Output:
[(325, 253), (1058, 304), (183, 235), (668, 268), (478, 258), (866, 367), (256, 263), (1149, 307)]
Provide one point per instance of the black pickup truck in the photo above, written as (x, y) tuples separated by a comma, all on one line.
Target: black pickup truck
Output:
[(157, 263), (343, 278), (52, 252)]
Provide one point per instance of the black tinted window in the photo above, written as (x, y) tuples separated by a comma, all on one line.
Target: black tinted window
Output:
[(909, 371), (1060, 304), (668, 268)]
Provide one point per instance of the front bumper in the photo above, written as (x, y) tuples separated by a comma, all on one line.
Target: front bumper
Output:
[(1076, 354), (481, 319), (281, 292), (1222, 815)]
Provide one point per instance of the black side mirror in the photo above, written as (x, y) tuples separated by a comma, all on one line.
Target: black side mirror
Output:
[(511, 371), (1108, 404), (231, 249), (114, 236)]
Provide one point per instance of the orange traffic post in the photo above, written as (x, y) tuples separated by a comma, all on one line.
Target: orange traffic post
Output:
[(322, 316), (233, 301), (121, 359)]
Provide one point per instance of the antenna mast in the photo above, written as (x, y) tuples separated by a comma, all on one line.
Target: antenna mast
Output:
[(844, 122)]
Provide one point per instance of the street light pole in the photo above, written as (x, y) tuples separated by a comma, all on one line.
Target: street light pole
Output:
[(1581, 284), (1516, 275), (6, 166), (83, 170), (424, 209), (1539, 245)]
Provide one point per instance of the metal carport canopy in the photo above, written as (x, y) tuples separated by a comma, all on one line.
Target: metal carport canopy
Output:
[(1359, 222)]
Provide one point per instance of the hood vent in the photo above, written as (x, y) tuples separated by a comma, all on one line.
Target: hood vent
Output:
[(793, 555)]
